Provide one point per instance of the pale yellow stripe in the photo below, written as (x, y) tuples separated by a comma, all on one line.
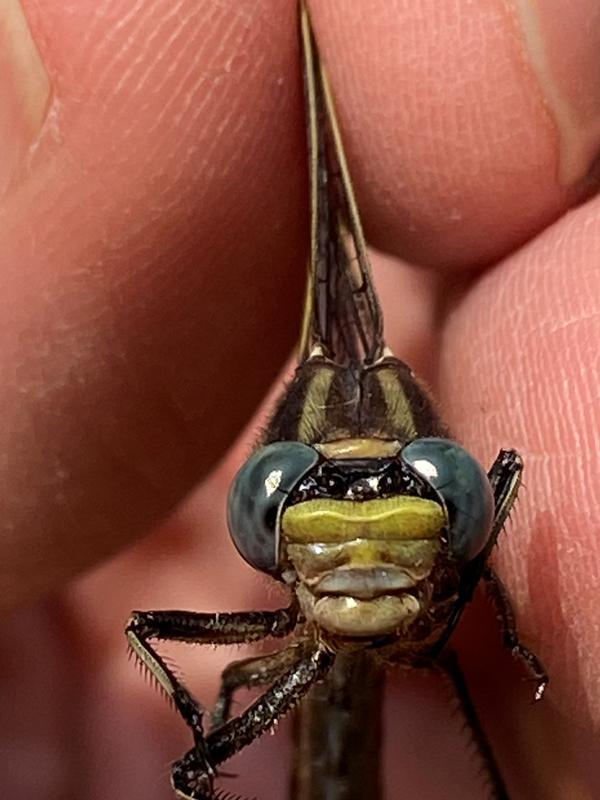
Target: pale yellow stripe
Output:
[(398, 406), (314, 413), (327, 520)]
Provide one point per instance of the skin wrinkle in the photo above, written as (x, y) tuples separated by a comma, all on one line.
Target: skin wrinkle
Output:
[(211, 76), (123, 74), (133, 13)]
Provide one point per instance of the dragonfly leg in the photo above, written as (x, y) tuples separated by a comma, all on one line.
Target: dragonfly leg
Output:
[(255, 671), (190, 777), (216, 628), (187, 626), (450, 665), (498, 594), (505, 479)]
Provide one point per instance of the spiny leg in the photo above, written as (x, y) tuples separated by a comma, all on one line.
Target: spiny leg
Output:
[(505, 478), (499, 596), (249, 672), (190, 776), (215, 628), (450, 664), (187, 626)]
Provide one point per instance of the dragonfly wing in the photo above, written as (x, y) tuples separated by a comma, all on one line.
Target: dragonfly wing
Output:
[(342, 318)]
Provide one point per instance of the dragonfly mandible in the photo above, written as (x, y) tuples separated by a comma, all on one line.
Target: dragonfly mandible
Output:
[(358, 501)]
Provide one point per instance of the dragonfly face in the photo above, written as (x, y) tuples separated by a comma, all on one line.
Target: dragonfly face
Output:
[(371, 532)]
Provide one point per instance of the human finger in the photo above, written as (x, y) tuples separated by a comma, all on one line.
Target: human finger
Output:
[(143, 225), (519, 368), (469, 127)]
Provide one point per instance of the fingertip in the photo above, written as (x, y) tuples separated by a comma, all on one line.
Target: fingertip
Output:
[(563, 51), (517, 371), (25, 92), (453, 148)]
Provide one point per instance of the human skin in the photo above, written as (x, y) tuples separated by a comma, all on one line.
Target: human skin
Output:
[(152, 250)]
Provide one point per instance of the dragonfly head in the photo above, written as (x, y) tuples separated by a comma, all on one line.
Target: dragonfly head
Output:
[(360, 524)]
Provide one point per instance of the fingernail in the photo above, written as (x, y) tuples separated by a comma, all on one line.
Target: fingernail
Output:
[(24, 92), (563, 40)]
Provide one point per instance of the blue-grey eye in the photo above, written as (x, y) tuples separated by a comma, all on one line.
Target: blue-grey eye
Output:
[(256, 498), (463, 486)]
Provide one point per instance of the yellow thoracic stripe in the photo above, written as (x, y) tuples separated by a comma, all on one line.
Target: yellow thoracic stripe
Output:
[(399, 411), (314, 412), (327, 520)]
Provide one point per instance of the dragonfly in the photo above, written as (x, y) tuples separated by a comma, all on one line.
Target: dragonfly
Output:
[(359, 502)]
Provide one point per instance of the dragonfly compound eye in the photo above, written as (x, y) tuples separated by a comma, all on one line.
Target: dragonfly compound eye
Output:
[(464, 488), (256, 498)]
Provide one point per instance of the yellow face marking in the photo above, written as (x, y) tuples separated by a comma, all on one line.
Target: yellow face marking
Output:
[(327, 520), (359, 448)]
